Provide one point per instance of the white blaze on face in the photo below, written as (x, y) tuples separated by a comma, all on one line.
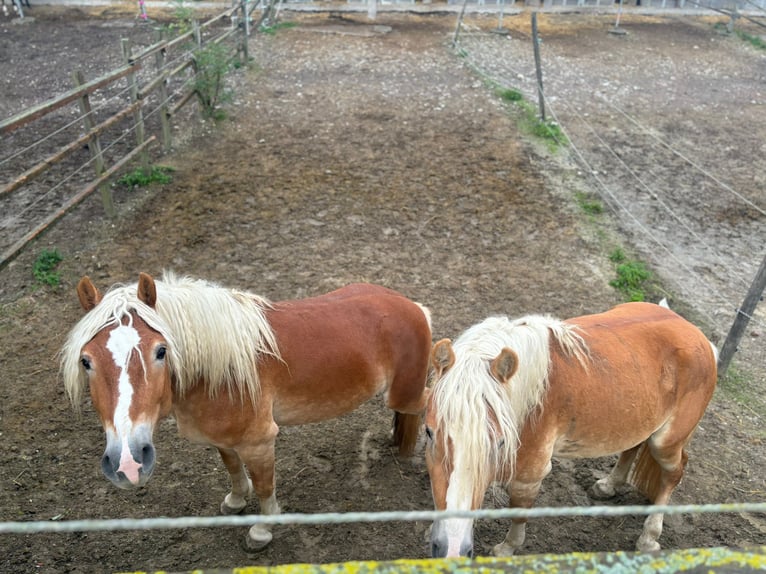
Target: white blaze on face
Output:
[(122, 341), (459, 531)]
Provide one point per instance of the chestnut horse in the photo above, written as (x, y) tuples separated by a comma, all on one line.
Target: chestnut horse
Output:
[(231, 366), (511, 394)]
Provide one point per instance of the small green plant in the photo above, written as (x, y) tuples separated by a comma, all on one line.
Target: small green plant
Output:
[(510, 95), (632, 276), (140, 178), (212, 65), (588, 204), (44, 268), (617, 256)]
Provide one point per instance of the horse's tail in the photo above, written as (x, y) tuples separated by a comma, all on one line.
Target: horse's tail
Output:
[(646, 473), (406, 430)]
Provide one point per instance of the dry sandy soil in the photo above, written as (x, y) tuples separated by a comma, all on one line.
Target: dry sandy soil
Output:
[(354, 152)]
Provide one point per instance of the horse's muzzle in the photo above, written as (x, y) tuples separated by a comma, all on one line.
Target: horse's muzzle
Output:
[(128, 465), (445, 546)]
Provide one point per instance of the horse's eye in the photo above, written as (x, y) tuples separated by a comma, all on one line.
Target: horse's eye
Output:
[(501, 443), (161, 352), (429, 433), (85, 363)]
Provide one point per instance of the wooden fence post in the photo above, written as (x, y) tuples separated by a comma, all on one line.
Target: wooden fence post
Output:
[(159, 59), (538, 66), (139, 113), (94, 145), (744, 313)]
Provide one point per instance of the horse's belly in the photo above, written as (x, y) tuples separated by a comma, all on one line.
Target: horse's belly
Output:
[(301, 409), (568, 447)]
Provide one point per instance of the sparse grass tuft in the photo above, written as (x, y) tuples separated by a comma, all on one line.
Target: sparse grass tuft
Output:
[(547, 130), (743, 390), (273, 29), (588, 204)]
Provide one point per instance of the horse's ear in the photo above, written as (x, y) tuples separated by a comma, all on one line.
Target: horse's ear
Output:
[(442, 357), (147, 290), (505, 365), (87, 293)]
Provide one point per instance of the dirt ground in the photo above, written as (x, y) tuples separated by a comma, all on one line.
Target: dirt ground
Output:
[(354, 152)]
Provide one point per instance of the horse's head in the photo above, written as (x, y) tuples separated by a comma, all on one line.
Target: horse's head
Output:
[(466, 445), (123, 357)]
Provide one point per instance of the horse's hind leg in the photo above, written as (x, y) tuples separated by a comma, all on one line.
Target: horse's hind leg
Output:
[(241, 486), (607, 486), (658, 471), (408, 407)]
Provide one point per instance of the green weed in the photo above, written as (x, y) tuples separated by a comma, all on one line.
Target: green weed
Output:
[(632, 277), (510, 95), (139, 178), (547, 130), (44, 268), (755, 41)]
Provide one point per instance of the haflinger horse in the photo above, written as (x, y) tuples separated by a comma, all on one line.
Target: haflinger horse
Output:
[(231, 367), (511, 394)]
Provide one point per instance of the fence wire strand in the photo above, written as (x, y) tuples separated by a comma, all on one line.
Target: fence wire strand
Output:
[(298, 519)]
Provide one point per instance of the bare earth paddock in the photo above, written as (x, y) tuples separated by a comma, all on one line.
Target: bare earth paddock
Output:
[(354, 152)]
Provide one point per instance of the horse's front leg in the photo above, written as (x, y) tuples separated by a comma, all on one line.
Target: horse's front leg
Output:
[(532, 466), (521, 495), (241, 485), (259, 459)]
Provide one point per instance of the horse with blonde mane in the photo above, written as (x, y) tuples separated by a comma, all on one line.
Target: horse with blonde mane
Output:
[(511, 394), (231, 367)]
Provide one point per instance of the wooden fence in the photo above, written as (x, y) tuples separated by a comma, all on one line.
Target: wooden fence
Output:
[(149, 89)]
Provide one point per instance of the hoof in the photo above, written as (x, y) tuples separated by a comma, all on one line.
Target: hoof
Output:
[(503, 550), (601, 490), (647, 544), (228, 510), (257, 539)]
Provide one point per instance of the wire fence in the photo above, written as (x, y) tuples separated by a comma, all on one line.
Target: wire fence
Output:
[(716, 263), (357, 517)]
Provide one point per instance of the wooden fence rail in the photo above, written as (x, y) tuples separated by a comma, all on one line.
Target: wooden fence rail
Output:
[(151, 74)]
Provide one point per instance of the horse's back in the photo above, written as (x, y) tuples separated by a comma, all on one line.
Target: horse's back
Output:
[(340, 348), (645, 366), (644, 334)]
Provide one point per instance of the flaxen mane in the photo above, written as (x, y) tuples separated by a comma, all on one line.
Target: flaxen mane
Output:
[(215, 335), (483, 417)]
